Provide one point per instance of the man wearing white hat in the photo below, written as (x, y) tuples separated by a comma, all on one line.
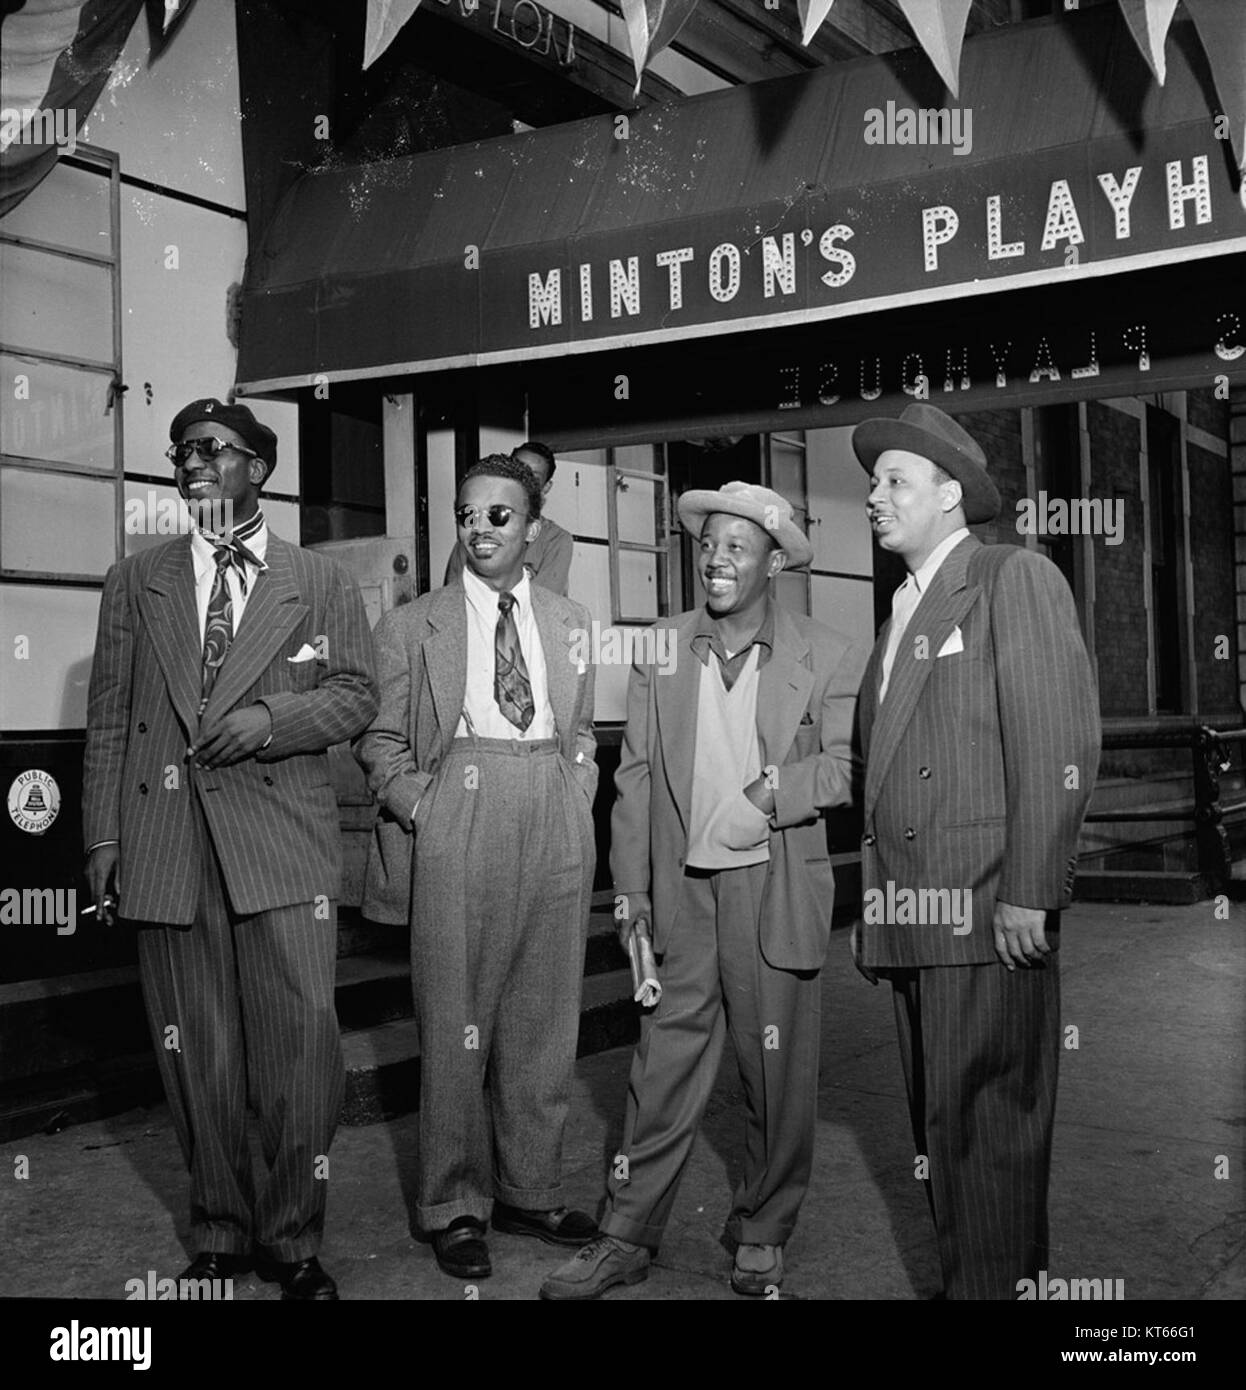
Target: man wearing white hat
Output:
[(719, 851)]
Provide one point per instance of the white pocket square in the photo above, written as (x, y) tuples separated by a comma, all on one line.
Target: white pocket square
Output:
[(305, 653), (955, 643)]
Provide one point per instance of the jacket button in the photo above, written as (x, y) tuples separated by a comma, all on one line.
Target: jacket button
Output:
[(868, 839), (910, 833), (923, 772), (142, 728), (142, 786), (268, 781)]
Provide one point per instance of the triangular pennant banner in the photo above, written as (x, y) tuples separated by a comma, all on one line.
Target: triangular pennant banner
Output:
[(940, 29), (385, 19), (1222, 31), (1148, 22), (812, 13), (651, 25)]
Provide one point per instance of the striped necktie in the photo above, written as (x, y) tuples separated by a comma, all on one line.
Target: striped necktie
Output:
[(511, 687), (218, 630)]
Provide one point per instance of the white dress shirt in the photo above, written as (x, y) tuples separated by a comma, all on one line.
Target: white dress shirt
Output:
[(487, 720), (909, 595), (204, 557)]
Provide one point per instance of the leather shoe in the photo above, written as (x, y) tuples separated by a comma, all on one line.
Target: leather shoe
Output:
[(302, 1281), (216, 1264), (596, 1267), (560, 1227), (757, 1283), (461, 1250)]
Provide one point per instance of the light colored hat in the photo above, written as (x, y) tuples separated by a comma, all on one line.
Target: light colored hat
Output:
[(770, 511)]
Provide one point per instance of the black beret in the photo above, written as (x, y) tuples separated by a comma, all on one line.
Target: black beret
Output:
[(236, 417)]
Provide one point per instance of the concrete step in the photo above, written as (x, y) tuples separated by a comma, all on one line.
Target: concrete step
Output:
[(1140, 886)]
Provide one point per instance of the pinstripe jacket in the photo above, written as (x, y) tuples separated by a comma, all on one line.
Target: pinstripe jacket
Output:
[(979, 763), (421, 651), (273, 817), (806, 696)]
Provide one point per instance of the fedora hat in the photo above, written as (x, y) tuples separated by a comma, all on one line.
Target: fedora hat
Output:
[(770, 511), (927, 431)]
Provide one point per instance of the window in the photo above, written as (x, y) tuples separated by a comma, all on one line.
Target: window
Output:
[(61, 467), (637, 511)]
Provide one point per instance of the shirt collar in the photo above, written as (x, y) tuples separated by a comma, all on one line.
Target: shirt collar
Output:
[(708, 635), (485, 599), (202, 545), (937, 557)]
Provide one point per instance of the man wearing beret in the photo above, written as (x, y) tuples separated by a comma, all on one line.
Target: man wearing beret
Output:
[(980, 728), (227, 662), (719, 852)]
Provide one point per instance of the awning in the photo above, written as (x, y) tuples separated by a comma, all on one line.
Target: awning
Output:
[(756, 207)]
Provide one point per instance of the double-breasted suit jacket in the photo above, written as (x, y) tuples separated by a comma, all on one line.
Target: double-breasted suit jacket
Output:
[(421, 652), (805, 701), (980, 761), (273, 816)]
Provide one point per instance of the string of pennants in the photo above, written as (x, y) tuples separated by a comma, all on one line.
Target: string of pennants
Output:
[(939, 27)]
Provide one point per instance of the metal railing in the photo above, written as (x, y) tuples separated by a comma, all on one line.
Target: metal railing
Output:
[(1209, 754)]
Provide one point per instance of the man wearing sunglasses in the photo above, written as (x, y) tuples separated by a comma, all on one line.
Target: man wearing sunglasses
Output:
[(548, 555), (226, 665), (482, 758)]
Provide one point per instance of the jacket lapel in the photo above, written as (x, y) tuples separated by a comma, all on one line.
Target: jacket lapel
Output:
[(273, 611), (445, 657), (943, 605), (171, 614), (783, 687), (676, 704), (561, 675)]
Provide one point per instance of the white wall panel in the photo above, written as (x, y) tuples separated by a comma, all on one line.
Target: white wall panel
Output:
[(838, 487), (48, 690)]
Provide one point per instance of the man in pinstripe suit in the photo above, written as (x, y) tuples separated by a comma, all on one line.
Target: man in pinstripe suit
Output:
[(979, 724), (225, 666)]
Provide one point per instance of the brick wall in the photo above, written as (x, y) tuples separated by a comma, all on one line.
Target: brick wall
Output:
[(999, 434), (1204, 410), (1120, 612), (1213, 600)]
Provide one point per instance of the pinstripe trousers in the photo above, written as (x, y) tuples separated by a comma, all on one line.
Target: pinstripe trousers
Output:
[(504, 858), (980, 1048), (251, 1002)]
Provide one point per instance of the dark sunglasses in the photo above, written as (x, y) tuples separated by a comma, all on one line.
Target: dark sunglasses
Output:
[(206, 450), (497, 514)]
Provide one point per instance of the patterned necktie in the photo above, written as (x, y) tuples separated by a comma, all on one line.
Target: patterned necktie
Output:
[(218, 630), (511, 687)]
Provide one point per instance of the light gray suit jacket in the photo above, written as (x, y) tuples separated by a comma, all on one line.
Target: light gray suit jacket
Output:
[(806, 698), (421, 651)]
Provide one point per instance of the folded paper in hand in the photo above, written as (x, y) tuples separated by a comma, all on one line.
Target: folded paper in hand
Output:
[(646, 987)]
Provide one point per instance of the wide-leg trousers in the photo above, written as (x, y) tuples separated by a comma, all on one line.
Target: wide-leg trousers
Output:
[(502, 886), (242, 1008), (980, 1048), (714, 980)]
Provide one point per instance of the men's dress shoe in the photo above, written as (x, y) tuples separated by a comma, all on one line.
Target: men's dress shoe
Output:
[(461, 1250), (301, 1281), (216, 1264), (560, 1227), (596, 1267), (757, 1283)]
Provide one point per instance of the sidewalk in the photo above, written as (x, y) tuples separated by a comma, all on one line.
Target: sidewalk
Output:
[(1152, 1095)]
